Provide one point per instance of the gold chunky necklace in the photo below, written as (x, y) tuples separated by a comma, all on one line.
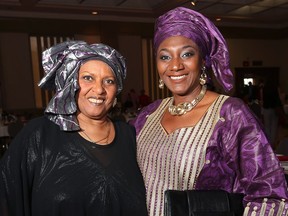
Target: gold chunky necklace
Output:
[(185, 107), (95, 142)]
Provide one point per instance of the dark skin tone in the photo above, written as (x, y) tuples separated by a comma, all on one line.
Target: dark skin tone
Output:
[(179, 64)]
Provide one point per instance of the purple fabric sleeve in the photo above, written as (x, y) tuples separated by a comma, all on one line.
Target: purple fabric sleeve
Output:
[(140, 120), (239, 158)]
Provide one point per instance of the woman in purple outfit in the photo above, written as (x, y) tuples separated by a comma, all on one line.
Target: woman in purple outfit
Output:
[(199, 139)]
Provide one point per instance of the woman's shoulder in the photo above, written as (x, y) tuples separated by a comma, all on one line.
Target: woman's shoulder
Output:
[(38, 125), (234, 102), (140, 120), (123, 126), (38, 122), (225, 101), (126, 133), (31, 134), (234, 107), (151, 107)]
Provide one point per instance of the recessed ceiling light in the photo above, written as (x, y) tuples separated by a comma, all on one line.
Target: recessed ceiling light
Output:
[(193, 2), (94, 12)]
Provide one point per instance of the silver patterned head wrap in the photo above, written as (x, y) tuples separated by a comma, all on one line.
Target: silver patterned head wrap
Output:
[(193, 25), (61, 64)]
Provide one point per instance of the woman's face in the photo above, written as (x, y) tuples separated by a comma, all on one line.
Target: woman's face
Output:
[(97, 91), (179, 64)]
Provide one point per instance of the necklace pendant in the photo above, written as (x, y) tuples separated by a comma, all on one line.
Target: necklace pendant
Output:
[(185, 107), (180, 110)]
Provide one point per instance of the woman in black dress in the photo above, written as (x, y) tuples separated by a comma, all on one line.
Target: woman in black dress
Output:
[(75, 160)]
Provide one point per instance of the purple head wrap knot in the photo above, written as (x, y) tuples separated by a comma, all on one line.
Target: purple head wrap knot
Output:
[(193, 25), (61, 65)]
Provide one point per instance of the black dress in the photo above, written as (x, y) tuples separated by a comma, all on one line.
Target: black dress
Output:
[(50, 172)]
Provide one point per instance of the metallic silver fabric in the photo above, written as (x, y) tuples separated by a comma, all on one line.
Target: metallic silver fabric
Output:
[(61, 65)]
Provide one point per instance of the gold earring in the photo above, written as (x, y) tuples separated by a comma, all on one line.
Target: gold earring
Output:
[(114, 102), (161, 84), (203, 76)]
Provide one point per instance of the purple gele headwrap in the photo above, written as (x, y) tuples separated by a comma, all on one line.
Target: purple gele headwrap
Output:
[(61, 64), (193, 25)]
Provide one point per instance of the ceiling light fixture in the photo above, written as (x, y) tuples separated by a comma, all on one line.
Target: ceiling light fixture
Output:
[(94, 12), (193, 2)]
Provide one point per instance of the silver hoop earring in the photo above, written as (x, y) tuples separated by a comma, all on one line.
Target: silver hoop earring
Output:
[(114, 102), (203, 76), (161, 84)]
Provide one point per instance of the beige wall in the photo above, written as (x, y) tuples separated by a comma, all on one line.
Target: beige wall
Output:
[(273, 53), (130, 47), (15, 71)]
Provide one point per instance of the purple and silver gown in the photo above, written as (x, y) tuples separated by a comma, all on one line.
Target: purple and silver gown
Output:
[(227, 149)]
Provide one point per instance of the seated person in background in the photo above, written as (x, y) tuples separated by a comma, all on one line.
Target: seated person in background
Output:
[(282, 147), (116, 113), (144, 99)]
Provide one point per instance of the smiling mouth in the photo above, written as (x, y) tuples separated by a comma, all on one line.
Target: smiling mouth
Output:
[(177, 77), (96, 101)]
